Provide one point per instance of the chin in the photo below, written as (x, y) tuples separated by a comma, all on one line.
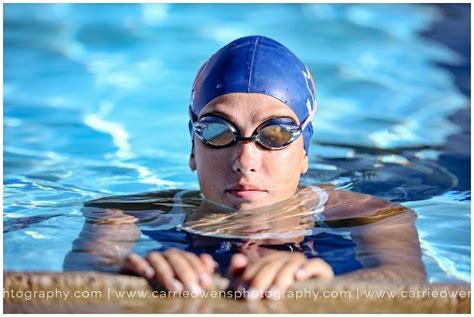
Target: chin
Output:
[(235, 203), (247, 205)]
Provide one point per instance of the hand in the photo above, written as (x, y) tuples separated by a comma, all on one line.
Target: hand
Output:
[(275, 272), (175, 270)]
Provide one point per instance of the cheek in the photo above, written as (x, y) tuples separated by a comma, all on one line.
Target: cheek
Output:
[(285, 164), (209, 162)]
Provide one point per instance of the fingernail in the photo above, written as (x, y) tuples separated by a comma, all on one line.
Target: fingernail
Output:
[(193, 287), (205, 279), (300, 274), (274, 293), (149, 272), (253, 294), (176, 286)]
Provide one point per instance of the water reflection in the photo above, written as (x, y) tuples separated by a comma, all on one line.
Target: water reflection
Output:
[(393, 176), (360, 236)]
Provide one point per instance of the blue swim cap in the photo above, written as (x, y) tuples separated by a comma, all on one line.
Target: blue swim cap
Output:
[(257, 64)]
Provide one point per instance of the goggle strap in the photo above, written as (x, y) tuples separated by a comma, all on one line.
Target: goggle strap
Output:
[(192, 115)]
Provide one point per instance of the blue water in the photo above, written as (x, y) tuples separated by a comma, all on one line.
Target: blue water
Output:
[(95, 104)]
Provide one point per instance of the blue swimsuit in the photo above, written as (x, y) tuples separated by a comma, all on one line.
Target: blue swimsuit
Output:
[(337, 251)]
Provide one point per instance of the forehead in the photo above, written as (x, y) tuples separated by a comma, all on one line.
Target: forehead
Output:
[(248, 107)]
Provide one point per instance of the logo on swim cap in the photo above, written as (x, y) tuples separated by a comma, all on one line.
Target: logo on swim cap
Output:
[(310, 102), (257, 64)]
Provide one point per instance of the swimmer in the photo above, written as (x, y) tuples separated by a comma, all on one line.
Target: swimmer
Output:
[(251, 112)]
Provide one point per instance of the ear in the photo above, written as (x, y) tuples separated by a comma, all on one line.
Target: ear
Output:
[(304, 165), (192, 161)]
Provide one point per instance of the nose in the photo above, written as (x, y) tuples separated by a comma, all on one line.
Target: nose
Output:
[(246, 159)]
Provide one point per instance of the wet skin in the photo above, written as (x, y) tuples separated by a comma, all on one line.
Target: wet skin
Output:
[(385, 235), (243, 177)]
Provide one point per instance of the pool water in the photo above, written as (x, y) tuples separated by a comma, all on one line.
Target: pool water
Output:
[(96, 96), (341, 227)]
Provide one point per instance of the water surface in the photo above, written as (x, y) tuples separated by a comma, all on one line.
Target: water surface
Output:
[(95, 104)]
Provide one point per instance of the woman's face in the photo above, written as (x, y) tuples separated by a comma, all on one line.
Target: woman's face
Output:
[(245, 175)]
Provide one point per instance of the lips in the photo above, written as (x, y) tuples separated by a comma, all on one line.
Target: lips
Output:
[(245, 187), (245, 191)]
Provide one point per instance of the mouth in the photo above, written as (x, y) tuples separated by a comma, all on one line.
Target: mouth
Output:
[(247, 192)]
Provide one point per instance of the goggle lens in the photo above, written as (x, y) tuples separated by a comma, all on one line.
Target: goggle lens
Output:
[(217, 134), (273, 134)]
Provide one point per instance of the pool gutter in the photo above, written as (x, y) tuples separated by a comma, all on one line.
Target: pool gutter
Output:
[(338, 296)]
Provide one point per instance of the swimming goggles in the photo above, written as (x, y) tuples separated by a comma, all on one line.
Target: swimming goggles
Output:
[(272, 134)]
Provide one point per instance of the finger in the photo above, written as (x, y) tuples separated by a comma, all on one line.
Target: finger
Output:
[(138, 266), (286, 275), (182, 270), (254, 267), (264, 278), (204, 277), (209, 262), (315, 268), (163, 272), (237, 266), (238, 263)]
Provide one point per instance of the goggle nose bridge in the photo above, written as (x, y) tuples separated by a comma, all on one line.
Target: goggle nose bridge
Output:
[(238, 138), (198, 127)]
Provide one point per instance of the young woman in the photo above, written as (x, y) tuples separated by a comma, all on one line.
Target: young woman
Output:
[(251, 114)]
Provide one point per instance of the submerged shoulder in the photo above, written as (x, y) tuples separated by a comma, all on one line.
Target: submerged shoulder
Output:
[(343, 204), (142, 200), (141, 205)]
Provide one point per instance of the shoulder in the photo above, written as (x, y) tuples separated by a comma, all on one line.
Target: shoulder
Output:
[(142, 200), (140, 205), (343, 204)]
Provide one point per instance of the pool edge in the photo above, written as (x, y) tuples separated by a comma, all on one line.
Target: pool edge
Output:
[(108, 284)]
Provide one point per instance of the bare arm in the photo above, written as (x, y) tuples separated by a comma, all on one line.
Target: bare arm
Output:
[(392, 246), (107, 236), (386, 238)]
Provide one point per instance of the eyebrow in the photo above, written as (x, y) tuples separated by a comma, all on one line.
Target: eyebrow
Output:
[(230, 118), (218, 113)]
